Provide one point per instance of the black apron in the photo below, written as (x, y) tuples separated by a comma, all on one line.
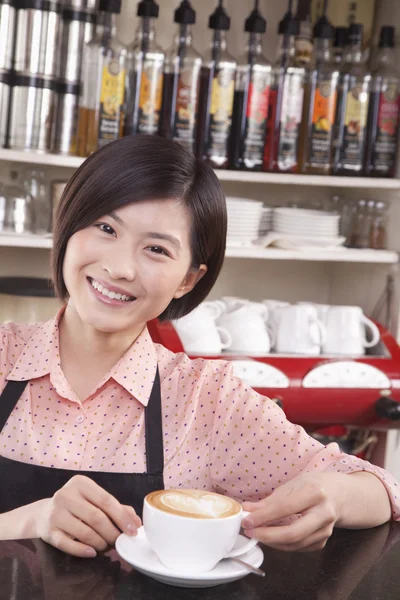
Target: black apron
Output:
[(22, 483)]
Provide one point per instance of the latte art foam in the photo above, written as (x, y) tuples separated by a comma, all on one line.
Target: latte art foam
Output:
[(194, 503)]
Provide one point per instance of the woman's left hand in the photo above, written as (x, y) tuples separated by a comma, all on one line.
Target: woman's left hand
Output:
[(310, 500)]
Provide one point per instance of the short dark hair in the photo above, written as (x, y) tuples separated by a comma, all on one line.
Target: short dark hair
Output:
[(137, 168)]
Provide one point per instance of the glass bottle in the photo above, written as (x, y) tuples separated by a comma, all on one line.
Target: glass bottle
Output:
[(34, 185), (378, 231), (285, 102), (145, 75), (352, 108), (217, 90), (319, 110), (304, 38), (181, 82), (250, 106), (359, 236), (101, 109), (339, 44), (383, 119)]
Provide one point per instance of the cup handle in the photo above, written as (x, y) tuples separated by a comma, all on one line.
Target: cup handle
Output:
[(322, 331), (228, 338), (271, 334), (373, 329), (244, 548)]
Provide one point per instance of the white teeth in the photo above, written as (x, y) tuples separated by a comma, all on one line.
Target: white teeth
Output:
[(112, 295)]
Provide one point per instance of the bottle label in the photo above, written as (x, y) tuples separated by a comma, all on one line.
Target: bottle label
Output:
[(222, 92), (323, 120), (150, 98), (355, 121), (384, 150), (270, 128), (291, 112), (112, 96), (256, 117), (186, 106)]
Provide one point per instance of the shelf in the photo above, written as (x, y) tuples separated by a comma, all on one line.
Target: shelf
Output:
[(317, 255), (25, 241), (341, 255), (73, 162)]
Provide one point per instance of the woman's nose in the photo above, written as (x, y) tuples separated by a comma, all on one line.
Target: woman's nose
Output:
[(120, 265)]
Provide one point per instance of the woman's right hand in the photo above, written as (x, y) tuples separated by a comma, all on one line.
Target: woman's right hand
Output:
[(82, 518)]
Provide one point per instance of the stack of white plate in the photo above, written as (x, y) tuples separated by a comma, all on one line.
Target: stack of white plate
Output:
[(266, 220), (244, 219), (306, 223)]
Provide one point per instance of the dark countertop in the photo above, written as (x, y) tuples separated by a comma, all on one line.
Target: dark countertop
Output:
[(355, 565)]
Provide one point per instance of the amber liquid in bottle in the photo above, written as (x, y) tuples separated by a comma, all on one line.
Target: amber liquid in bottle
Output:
[(318, 121)]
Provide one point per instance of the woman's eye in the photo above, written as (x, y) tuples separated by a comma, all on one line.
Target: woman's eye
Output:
[(106, 228), (158, 250)]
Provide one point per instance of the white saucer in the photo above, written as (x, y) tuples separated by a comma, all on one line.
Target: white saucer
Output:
[(137, 552)]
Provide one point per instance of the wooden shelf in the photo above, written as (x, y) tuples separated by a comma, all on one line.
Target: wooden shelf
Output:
[(317, 255), (73, 162)]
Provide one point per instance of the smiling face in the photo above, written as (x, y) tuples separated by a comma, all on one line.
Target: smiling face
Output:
[(124, 269)]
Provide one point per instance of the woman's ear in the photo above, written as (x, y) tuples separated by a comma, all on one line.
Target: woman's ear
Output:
[(192, 277)]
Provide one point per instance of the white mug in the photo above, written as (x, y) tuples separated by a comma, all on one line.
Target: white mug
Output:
[(300, 331), (346, 331), (199, 332), (192, 545), (247, 328)]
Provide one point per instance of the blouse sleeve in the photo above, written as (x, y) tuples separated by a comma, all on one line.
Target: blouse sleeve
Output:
[(255, 448)]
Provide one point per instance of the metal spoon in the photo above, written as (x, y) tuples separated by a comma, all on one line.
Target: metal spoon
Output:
[(252, 569)]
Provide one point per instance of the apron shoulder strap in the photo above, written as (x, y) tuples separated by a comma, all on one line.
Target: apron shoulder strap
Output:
[(9, 398), (153, 430)]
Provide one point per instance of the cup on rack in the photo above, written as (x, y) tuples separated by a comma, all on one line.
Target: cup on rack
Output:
[(347, 328), (275, 312), (199, 332), (300, 331), (247, 326)]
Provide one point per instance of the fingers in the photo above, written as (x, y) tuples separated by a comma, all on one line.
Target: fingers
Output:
[(312, 529), (59, 539), (99, 498), (283, 503), (82, 531)]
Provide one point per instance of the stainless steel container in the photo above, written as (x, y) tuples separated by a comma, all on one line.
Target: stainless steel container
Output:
[(67, 119), (5, 91), (77, 28), (32, 113), (92, 5), (37, 38), (7, 32)]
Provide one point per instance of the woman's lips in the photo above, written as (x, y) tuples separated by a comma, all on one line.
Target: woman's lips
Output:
[(106, 299)]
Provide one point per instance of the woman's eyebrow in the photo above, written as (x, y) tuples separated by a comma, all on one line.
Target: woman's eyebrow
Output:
[(164, 236)]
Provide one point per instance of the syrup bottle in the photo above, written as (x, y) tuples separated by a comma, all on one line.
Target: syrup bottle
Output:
[(217, 90), (319, 103), (101, 109), (250, 106), (352, 108), (286, 102), (181, 82), (339, 44), (383, 120), (145, 77)]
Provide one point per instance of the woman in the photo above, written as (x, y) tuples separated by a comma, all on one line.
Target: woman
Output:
[(93, 415)]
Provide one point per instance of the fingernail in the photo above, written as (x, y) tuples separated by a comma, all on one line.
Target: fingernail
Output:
[(248, 522), (91, 552), (132, 530)]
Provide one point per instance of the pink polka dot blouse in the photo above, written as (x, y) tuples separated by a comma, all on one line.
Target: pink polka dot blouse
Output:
[(218, 433)]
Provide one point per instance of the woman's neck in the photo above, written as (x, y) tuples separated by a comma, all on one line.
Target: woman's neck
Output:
[(90, 346)]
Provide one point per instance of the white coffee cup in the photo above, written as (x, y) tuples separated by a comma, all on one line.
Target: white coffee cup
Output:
[(346, 331), (191, 544), (247, 327), (300, 331), (199, 332)]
